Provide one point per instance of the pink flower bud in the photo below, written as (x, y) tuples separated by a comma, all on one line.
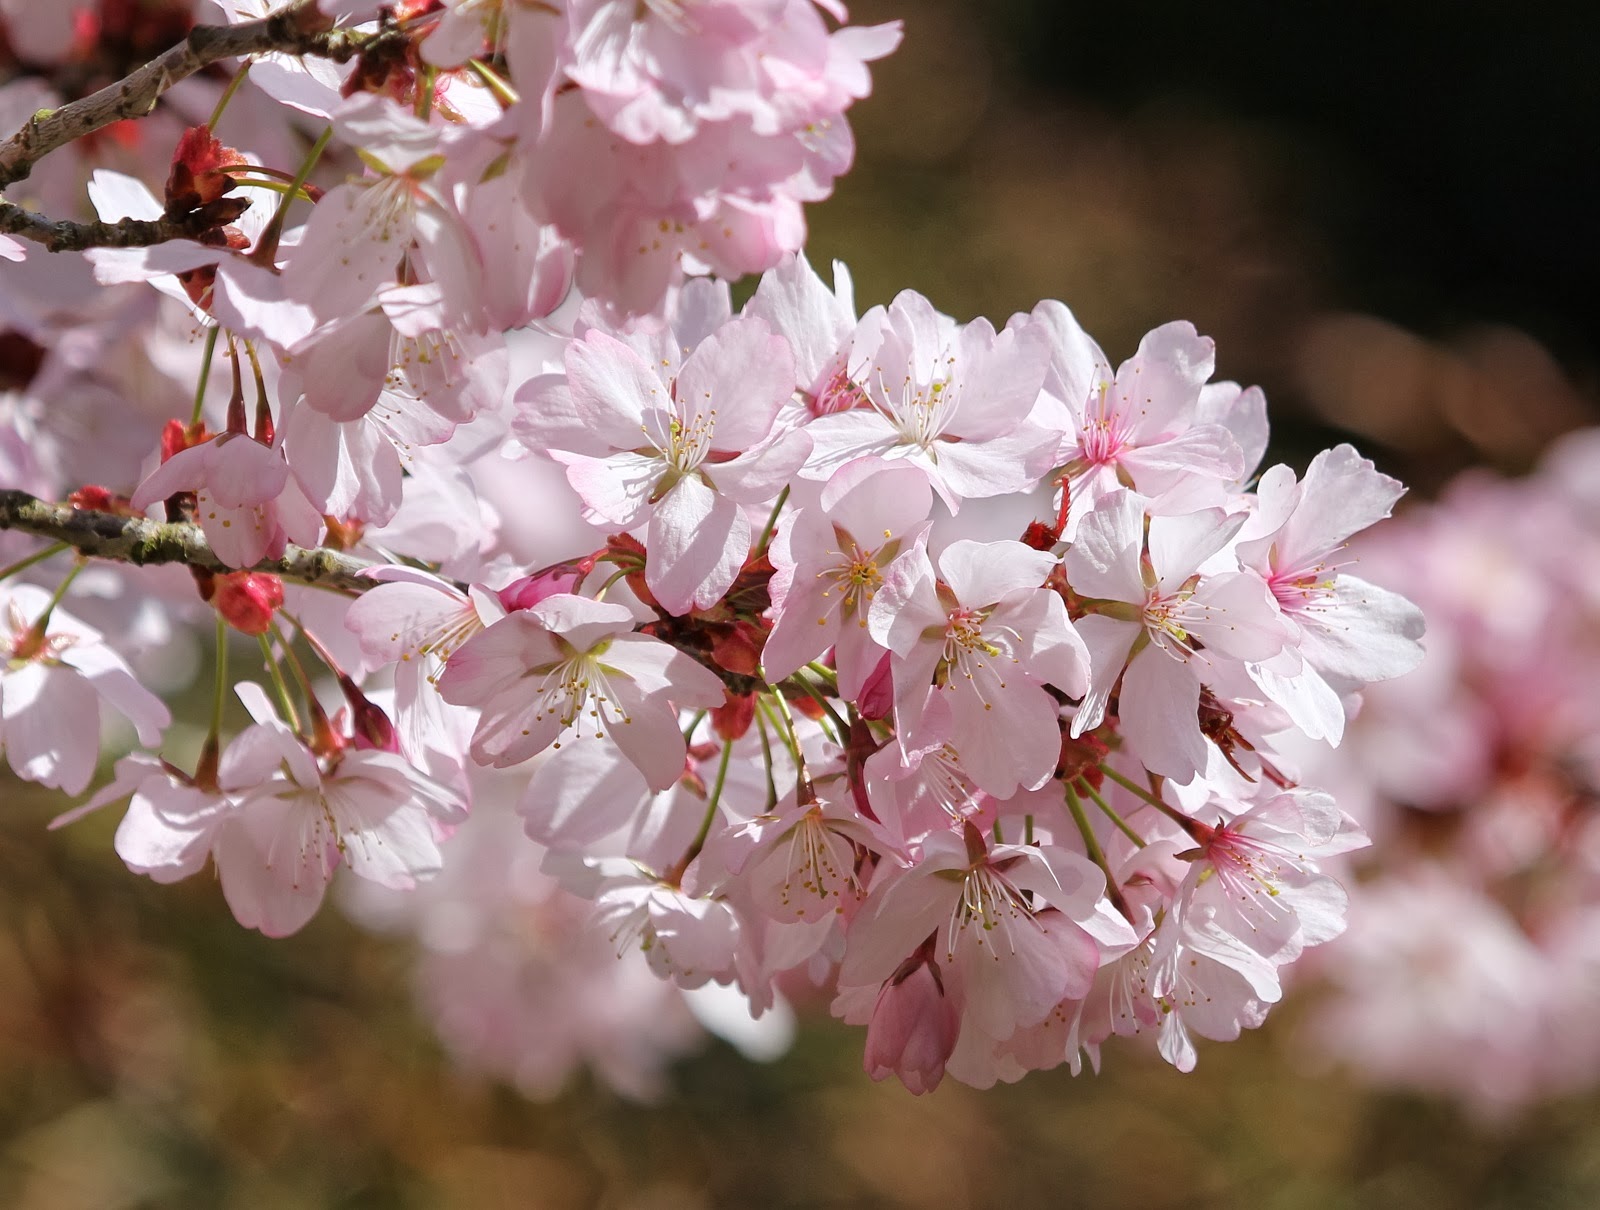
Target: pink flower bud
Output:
[(370, 727), (566, 576), (877, 693), (913, 1030)]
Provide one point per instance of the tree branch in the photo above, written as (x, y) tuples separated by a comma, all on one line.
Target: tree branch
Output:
[(63, 235), (298, 28), (140, 541)]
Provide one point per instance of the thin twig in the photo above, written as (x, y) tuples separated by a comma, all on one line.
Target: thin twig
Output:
[(298, 28), (63, 235), (141, 541)]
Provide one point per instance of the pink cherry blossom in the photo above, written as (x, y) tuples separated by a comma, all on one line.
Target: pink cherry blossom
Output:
[(830, 562), (359, 233), (988, 637), (571, 666), (1348, 632), (248, 504), (1153, 618), (1142, 427), (818, 323), (952, 400), (676, 448), (1015, 960), (53, 680), (914, 1025)]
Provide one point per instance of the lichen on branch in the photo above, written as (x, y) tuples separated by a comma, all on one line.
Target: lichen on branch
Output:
[(141, 541)]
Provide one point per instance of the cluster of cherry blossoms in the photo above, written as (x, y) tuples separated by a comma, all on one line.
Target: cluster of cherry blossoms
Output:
[(1472, 967), (948, 673)]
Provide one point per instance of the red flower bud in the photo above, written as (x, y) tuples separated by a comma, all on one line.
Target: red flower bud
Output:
[(178, 436), (732, 719), (100, 499), (197, 176), (247, 599)]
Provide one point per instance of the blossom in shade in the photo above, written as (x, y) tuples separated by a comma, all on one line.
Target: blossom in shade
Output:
[(54, 677), (985, 908)]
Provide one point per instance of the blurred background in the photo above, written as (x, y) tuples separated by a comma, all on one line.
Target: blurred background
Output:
[(1384, 214)]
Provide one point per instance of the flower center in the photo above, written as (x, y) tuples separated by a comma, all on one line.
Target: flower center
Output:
[(575, 689), (1102, 438), (988, 904)]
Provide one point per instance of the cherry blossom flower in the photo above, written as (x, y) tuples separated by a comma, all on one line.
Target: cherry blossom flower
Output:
[(1348, 633), (675, 448), (292, 823), (914, 1026), (571, 666), (360, 232), (246, 501), (53, 679), (1154, 618), (988, 637), (830, 562), (952, 400), (1140, 428), (1015, 959)]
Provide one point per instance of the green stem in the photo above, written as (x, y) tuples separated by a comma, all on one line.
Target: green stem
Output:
[(772, 522), (1096, 854), (296, 667), (285, 705), (688, 732), (1133, 787), (766, 759), (494, 82), (803, 791), (250, 182), (826, 675), (205, 373), (425, 83), (61, 591), (227, 94), (841, 729), (771, 716), (205, 769), (38, 556), (266, 249), (710, 818), (600, 595), (220, 693), (1111, 814)]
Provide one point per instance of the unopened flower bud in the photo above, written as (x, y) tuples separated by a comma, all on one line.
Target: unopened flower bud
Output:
[(247, 599), (566, 576), (876, 698)]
